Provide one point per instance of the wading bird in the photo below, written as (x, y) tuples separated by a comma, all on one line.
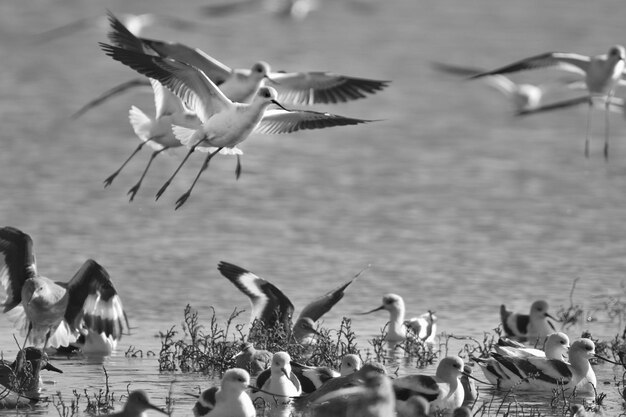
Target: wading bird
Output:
[(424, 326), (230, 399), (270, 305), (533, 327)]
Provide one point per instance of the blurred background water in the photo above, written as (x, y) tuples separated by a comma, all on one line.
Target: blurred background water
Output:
[(457, 205)]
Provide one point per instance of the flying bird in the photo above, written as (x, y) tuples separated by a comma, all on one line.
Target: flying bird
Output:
[(241, 85), (603, 73), (224, 124)]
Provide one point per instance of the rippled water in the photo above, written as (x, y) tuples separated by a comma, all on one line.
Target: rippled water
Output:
[(457, 205)]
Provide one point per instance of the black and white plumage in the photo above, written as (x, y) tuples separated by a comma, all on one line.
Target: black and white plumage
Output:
[(241, 85), (533, 327), (269, 304), (230, 399), (602, 74), (523, 96), (56, 313), (334, 384), (225, 123), (443, 391)]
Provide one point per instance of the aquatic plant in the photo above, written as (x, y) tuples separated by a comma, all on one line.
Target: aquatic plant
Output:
[(65, 410), (201, 349), (573, 314), (102, 401)]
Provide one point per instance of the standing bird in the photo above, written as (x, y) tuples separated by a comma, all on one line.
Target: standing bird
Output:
[(280, 383), (55, 313), (542, 374), (444, 391), (533, 327), (225, 124), (269, 304), (229, 400), (397, 331), (157, 132), (136, 406), (253, 360), (602, 75)]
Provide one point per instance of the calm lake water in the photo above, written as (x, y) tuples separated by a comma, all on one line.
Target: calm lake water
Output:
[(457, 205)]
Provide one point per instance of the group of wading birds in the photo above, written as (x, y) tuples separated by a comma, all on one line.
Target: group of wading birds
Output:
[(86, 313), (204, 105)]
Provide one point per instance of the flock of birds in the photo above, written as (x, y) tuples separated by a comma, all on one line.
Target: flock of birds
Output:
[(204, 105), (86, 313)]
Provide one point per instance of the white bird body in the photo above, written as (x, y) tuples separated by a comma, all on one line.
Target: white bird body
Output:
[(224, 123), (229, 400), (156, 132), (556, 347), (397, 329), (533, 327), (282, 383)]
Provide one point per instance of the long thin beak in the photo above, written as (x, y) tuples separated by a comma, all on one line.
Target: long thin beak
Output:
[(610, 361), (256, 389), (52, 368), (284, 372), (271, 79), (154, 407), (476, 379), (550, 316), (280, 105), (376, 309)]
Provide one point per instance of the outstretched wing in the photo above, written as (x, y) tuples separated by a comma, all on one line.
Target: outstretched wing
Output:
[(565, 61), (190, 84), (19, 264), (268, 302), (322, 305), (117, 90), (306, 88), (94, 303), (282, 121)]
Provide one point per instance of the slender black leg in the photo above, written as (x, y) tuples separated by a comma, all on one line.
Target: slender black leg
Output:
[(205, 165), (111, 177), (135, 187)]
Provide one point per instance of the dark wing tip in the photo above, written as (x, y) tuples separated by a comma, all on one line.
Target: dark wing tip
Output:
[(231, 271)]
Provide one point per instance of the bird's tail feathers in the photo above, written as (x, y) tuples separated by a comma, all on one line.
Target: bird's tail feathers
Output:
[(185, 135), (140, 123)]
